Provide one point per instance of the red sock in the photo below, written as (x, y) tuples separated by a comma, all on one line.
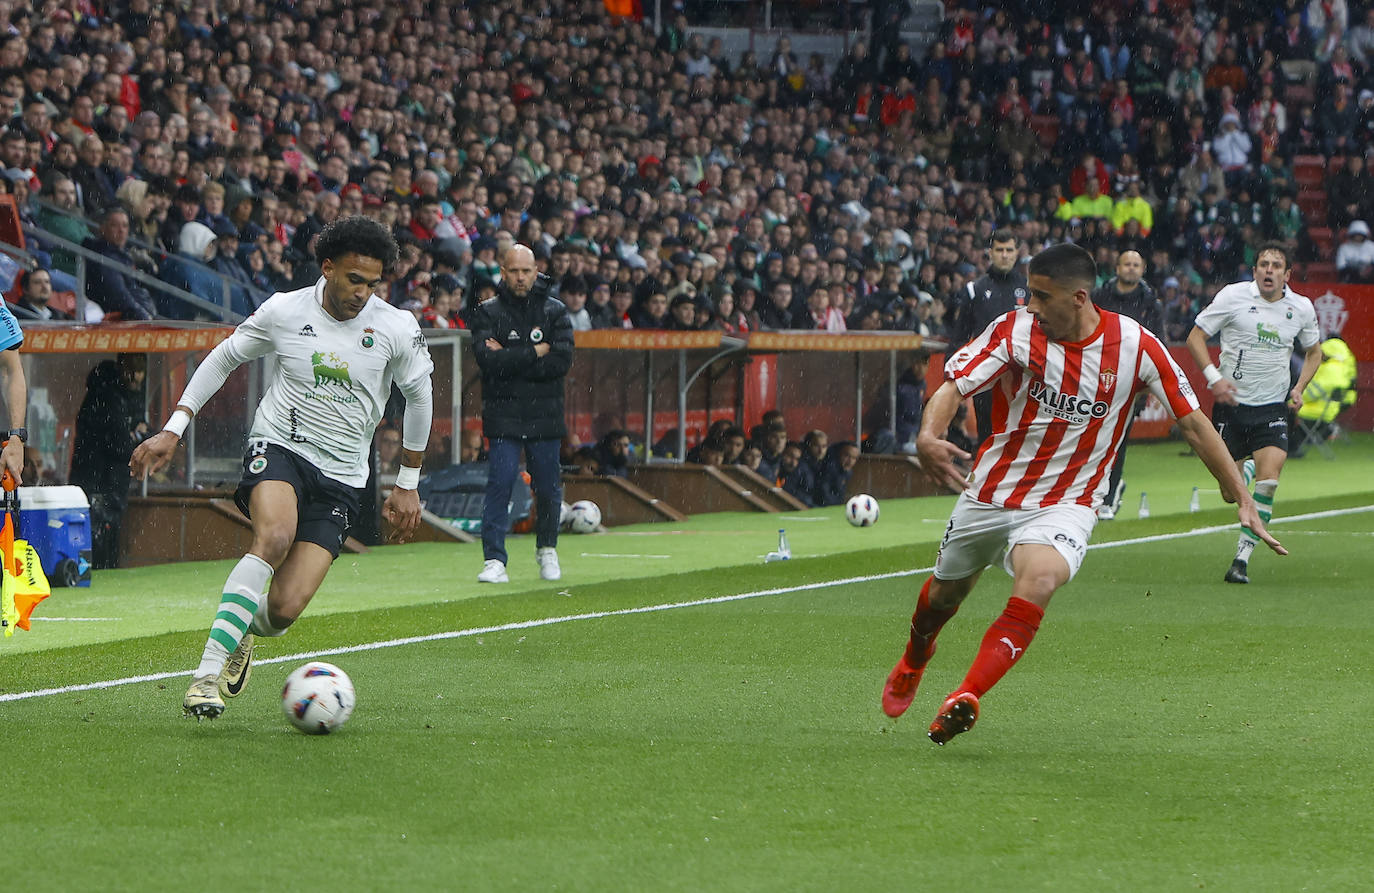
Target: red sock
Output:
[(925, 626), (1003, 645)]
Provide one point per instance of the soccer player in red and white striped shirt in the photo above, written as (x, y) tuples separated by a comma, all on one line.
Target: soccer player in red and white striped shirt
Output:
[(1063, 377)]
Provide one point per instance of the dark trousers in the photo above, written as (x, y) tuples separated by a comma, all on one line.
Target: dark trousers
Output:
[(1114, 481), (503, 464), (107, 516), (1119, 466)]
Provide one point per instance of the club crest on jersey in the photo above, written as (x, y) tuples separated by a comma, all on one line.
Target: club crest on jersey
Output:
[(536, 334), (368, 340), (1108, 379), (1020, 294), (258, 465), (1069, 407)]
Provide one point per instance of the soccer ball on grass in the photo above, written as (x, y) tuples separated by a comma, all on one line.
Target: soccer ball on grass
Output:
[(584, 516), (318, 698), (862, 511)]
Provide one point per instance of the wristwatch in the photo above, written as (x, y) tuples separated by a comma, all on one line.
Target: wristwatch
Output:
[(21, 433)]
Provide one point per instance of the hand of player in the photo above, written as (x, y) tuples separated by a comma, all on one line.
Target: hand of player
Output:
[(938, 459), (12, 458), (402, 512), (1295, 399), (493, 344), (541, 349), (1249, 516), (1224, 391), (152, 454)]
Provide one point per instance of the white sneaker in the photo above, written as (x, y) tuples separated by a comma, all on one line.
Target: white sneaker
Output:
[(1106, 512), (548, 563), (493, 572)]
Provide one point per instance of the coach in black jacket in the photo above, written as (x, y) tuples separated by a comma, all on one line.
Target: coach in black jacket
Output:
[(1130, 295), (996, 294), (523, 339)]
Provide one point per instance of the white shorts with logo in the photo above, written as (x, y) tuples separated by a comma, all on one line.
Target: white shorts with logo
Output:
[(979, 534)]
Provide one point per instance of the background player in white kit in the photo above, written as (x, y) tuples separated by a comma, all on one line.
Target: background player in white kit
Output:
[(1065, 376), (1258, 323), (338, 348)]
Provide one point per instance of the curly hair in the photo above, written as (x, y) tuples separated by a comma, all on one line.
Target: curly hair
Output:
[(356, 235)]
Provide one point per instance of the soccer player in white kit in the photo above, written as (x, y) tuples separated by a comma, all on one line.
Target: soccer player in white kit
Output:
[(1258, 323), (1064, 376), (338, 348)]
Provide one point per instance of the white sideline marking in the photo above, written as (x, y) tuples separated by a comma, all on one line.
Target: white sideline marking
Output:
[(621, 612), (76, 619)]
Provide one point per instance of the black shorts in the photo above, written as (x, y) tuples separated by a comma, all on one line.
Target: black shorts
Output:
[(1245, 429), (325, 508)]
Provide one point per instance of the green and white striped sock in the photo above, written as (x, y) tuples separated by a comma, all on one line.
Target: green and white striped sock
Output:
[(1264, 506), (243, 591)]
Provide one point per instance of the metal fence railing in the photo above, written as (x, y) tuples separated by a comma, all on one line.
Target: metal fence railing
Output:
[(226, 284), (220, 312)]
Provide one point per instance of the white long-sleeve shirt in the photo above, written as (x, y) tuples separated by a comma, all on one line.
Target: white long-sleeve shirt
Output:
[(331, 379)]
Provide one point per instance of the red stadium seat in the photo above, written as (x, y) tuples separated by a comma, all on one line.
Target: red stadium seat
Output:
[(11, 233), (1322, 241), (1313, 205), (64, 301), (1309, 170)]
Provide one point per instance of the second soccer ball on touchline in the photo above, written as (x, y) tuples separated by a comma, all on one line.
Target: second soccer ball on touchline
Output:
[(861, 510)]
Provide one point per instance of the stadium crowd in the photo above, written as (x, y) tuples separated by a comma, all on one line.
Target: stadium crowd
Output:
[(661, 183)]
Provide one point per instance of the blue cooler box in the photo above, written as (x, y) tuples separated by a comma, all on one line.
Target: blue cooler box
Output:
[(57, 523)]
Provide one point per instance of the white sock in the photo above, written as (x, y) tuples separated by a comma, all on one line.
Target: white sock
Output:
[(262, 623), (243, 591)]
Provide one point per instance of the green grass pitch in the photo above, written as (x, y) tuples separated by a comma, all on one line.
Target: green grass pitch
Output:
[(640, 726)]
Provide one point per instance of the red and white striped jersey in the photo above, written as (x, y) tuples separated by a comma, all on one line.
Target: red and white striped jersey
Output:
[(1060, 410)]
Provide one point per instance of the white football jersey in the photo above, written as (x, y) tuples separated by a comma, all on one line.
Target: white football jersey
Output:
[(331, 379), (1257, 339)]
